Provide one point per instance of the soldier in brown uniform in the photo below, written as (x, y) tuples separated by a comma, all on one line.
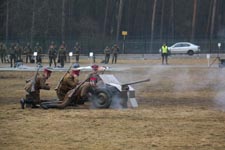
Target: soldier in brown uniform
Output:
[(107, 54), (52, 54), (28, 52), (3, 50), (62, 55), (69, 82), (77, 51), (91, 80), (38, 49), (115, 51), (33, 97)]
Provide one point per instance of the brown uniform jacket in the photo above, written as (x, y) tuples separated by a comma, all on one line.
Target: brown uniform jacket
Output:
[(68, 83), (39, 84)]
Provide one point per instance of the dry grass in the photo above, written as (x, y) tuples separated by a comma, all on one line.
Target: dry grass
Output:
[(181, 108)]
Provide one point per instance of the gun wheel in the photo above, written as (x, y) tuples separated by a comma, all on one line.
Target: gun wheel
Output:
[(101, 98)]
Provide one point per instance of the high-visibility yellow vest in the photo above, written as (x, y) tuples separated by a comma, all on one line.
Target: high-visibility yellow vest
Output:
[(164, 49)]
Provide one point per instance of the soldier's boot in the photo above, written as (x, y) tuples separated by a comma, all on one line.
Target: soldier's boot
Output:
[(44, 106), (26, 102), (22, 103)]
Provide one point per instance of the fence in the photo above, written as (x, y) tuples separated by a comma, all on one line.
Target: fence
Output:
[(131, 46)]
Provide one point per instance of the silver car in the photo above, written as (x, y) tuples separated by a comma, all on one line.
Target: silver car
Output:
[(184, 48)]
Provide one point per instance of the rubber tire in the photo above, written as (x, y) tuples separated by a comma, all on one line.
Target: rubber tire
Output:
[(101, 98), (190, 52)]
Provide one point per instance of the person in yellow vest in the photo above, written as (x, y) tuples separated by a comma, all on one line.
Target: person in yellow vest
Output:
[(164, 52)]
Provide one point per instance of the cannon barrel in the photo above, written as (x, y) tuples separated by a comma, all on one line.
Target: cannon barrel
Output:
[(135, 82)]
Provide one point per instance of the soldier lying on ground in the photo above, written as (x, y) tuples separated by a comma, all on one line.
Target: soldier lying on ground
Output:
[(78, 95), (33, 88), (69, 82)]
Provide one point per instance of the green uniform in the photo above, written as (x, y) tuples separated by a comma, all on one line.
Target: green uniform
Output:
[(18, 52), (3, 50), (107, 54), (12, 53), (77, 52), (28, 52), (62, 56), (115, 51), (38, 49), (52, 54)]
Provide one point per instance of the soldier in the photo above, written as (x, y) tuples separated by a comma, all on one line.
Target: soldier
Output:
[(33, 97), (115, 51), (28, 52), (38, 49), (91, 80), (3, 50), (69, 81), (77, 51), (107, 54), (12, 53), (52, 54), (62, 55), (18, 52)]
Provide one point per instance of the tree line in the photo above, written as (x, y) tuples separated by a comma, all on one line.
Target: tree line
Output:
[(94, 21)]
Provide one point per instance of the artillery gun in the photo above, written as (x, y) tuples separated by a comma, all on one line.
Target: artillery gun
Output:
[(110, 93)]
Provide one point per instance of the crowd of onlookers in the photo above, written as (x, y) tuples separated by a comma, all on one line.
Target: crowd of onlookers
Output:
[(13, 53)]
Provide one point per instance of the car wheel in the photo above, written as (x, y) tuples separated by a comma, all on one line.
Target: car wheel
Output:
[(101, 98), (190, 52)]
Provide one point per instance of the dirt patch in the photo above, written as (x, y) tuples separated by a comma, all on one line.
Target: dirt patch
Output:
[(182, 107)]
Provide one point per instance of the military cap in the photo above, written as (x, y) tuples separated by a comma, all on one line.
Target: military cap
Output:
[(48, 69), (94, 67)]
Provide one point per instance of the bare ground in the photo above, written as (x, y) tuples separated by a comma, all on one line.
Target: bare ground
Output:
[(181, 108)]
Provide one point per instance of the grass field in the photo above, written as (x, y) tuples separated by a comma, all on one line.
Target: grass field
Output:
[(182, 107)]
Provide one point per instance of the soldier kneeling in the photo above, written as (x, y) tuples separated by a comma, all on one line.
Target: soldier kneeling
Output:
[(33, 87)]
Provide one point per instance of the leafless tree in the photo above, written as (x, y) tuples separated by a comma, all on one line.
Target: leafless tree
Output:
[(213, 18), (153, 22), (162, 19), (119, 20), (63, 21), (194, 20)]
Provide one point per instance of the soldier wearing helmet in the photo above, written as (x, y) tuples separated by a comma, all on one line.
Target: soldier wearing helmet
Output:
[(52, 54), (91, 80), (38, 49), (77, 51), (33, 97), (3, 50), (62, 55), (115, 51), (69, 81), (28, 52)]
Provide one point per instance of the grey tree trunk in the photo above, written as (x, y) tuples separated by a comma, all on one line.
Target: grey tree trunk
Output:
[(7, 22), (162, 18), (32, 24), (106, 16), (153, 23), (119, 20), (213, 18), (209, 19), (194, 20), (48, 19), (172, 20), (63, 21)]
